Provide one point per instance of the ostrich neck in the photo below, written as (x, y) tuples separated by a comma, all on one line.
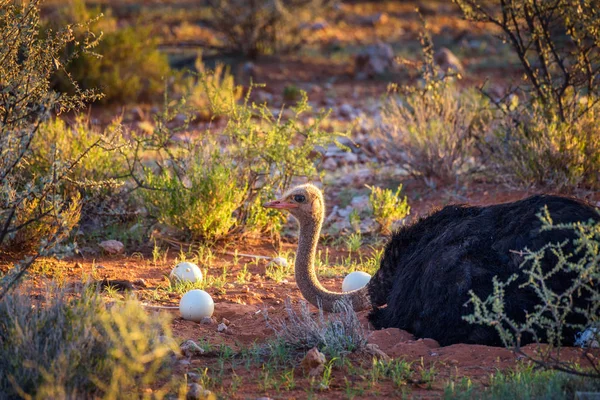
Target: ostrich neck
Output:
[(306, 275)]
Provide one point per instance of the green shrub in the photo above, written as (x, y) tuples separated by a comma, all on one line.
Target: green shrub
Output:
[(126, 64), (257, 153), (387, 207), (78, 347), (432, 129), (550, 316), (82, 144), (202, 203)]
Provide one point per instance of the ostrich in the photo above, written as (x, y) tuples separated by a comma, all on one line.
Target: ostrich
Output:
[(429, 267)]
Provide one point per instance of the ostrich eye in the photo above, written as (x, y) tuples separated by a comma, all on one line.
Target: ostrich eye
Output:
[(299, 198)]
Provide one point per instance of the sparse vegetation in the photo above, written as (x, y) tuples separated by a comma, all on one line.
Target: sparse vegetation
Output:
[(432, 128), (388, 207), (547, 138), (74, 346), (523, 383), (336, 336)]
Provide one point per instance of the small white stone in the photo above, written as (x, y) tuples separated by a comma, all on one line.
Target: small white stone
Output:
[(222, 327), (280, 261)]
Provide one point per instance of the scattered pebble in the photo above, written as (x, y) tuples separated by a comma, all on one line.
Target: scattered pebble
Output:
[(207, 321), (193, 377), (222, 327), (280, 261), (112, 246), (140, 282), (313, 362), (197, 392), (189, 348)]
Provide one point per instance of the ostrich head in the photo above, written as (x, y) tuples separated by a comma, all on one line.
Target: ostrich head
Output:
[(305, 202)]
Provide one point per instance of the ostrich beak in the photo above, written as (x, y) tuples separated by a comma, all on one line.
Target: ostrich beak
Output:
[(280, 204)]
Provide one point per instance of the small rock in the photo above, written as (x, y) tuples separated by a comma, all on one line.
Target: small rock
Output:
[(222, 327), (207, 321), (319, 26), (249, 68), (180, 118), (330, 164), (313, 362), (189, 348), (376, 19), (374, 60), (197, 392), (264, 97), (447, 61), (185, 363), (360, 203), (193, 377), (140, 282), (316, 88), (280, 261), (346, 110), (112, 246), (225, 321), (350, 158)]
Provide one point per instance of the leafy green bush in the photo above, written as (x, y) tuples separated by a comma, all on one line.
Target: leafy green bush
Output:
[(550, 136), (77, 347), (254, 156), (387, 207), (82, 144), (126, 64), (432, 129), (202, 203), (554, 309)]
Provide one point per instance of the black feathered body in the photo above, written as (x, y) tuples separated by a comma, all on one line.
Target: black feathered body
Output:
[(429, 267)]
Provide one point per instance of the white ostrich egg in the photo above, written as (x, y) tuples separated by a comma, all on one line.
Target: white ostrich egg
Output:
[(195, 305), (355, 280), (186, 271)]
